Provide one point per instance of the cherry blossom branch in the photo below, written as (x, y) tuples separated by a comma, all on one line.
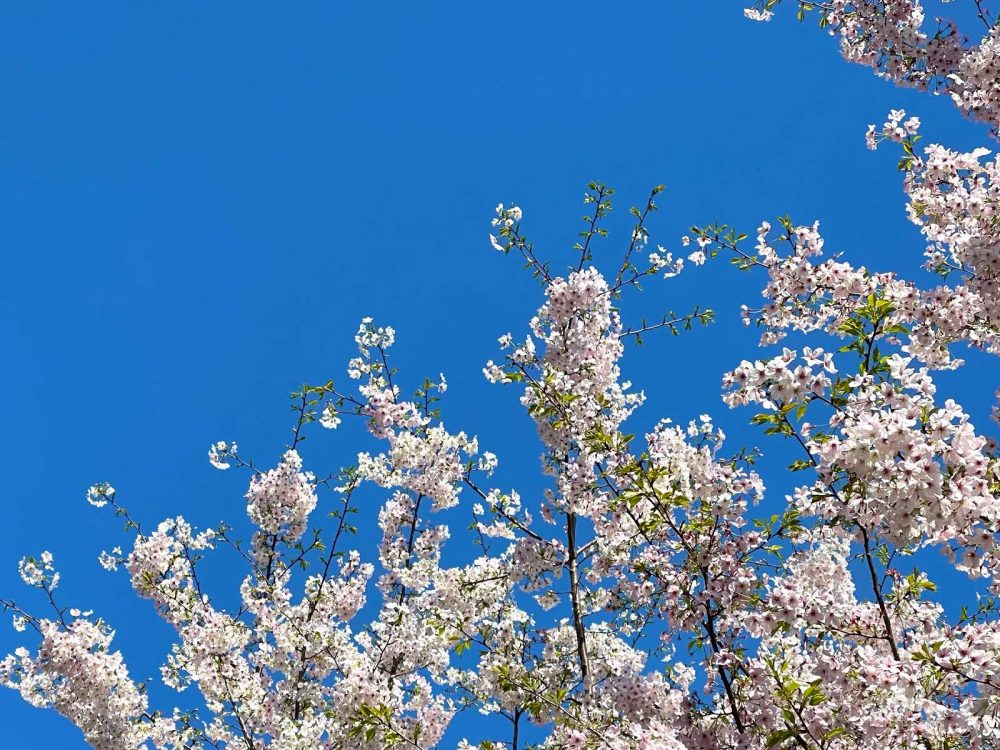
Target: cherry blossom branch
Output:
[(574, 582), (601, 208), (877, 590), (9, 605), (685, 321), (638, 233)]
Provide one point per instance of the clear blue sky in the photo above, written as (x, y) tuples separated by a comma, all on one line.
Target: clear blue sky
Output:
[(200, 201)]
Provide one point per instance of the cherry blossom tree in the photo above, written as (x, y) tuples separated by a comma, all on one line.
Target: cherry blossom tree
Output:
[(645, 601)]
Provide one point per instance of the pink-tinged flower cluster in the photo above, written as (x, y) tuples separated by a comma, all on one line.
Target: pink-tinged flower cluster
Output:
[(161, 568), (955, 199), (899, 42), (975, 84), (806, 293), (888, 458), (872, 674), (780, 380), (578, 376), (429, 462), (279, 501), (76, 673)]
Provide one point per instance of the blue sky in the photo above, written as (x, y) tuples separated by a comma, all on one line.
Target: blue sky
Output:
[(199, 203)]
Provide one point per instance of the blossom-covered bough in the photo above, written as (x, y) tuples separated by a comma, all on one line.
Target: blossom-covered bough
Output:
[(906, 44), (646, 601)]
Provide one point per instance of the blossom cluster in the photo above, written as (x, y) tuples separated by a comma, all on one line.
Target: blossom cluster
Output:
[(898, 40)]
